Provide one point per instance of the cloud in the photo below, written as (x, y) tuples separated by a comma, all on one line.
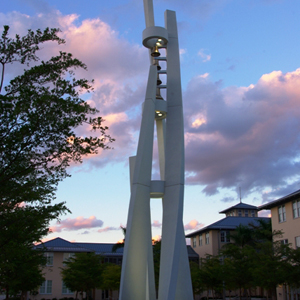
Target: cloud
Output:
[(246, 137), (108, 228), (156, 224), (182, 51), (76, 224), (264, 214), (228, 199), (205, 57), (119, 75), (193, 225)]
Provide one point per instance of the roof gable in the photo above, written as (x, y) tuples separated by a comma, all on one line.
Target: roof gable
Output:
[(283, 200), (61, 245), (239, 206), (228, 223)]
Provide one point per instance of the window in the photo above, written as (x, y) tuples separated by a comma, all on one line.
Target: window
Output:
[(225, 237), (281, 213), (200, 240), (296, 209), (67, 256), (194, 242), (65, 290), (207, 238), (284, 242), (46, 287), (239, 212), (49, 258), (246, 213), (297, 241), (252, 213)]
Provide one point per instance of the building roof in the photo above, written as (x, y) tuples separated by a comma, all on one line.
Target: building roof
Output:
[(283, 200), (61, 245), (101, 248), (239, 206), (228, 223), (191, 252)]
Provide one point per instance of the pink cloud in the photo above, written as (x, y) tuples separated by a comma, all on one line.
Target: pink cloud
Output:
[(76, 224), (105, 229), (264, 213), (156, 224), (119, 75), (193, 225)]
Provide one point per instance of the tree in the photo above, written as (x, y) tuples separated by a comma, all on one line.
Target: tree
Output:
[(243, 235), (238, 263), (293, 269), (39, 113), (111, 278), (83, 272), (119, 245), (22, 273), (270, 265), (211, 274), (196, 278)]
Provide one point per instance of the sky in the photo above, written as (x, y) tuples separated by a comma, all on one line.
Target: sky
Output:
[(240, 70)]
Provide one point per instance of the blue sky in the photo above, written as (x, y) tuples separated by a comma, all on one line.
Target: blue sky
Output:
[(240, 79)]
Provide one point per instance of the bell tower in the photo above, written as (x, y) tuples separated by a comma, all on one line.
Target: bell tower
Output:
[(137, 279)]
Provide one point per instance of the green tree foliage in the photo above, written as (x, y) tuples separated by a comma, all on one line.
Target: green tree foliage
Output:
[(196, 278), (211, 274), (83, 272), (40, 110), (237, 263), (22, 272), (111, 278), (156, 262), (269, 265), (242, 236), (119, 245), (293, 269)]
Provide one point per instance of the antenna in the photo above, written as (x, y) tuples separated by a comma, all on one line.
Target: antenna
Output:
[(240, 195)]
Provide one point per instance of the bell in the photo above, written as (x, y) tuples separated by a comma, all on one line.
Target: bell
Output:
[(155, 52), (157, 65), (158, 82)]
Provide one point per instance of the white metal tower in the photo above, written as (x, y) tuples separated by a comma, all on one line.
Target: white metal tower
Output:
[(137, 279)]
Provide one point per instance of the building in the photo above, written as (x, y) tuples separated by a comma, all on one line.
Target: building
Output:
[(210, 239), (285, 216), (59, 250)]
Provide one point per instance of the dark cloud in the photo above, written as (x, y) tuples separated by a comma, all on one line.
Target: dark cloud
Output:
[(246, 137), (228, 199)]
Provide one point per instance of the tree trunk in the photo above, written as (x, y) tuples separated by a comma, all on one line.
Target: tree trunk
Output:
[(7, 293), (274, 293)]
